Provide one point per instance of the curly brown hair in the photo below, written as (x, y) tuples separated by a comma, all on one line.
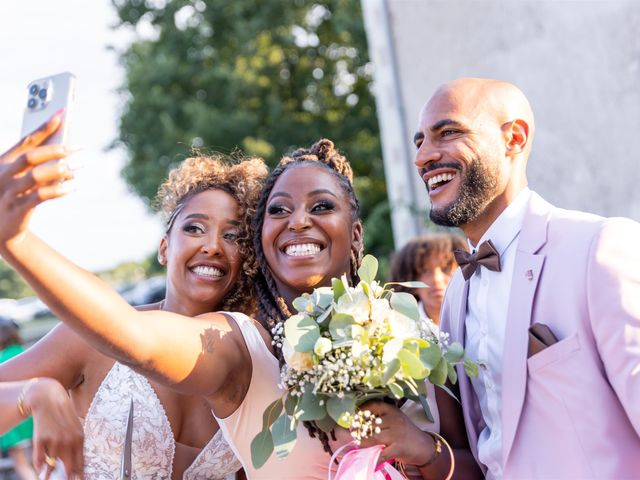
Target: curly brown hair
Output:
[(272, 308), (242, 178)]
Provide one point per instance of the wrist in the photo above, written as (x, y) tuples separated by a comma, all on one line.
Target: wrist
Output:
[(42, 391), (24, 402)]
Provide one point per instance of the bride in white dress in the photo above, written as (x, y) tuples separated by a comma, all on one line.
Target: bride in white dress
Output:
[(206, 203)]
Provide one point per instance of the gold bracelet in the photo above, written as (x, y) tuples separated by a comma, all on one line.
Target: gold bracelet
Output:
[(438, 440), (23, 409)]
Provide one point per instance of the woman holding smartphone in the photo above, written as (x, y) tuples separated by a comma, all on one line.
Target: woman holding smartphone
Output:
[(207, 203), (228, 358)]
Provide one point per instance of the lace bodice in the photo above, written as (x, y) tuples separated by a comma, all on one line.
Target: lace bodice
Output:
[(153, 445)]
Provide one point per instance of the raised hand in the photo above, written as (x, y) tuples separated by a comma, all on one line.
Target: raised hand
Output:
[(30, 173)]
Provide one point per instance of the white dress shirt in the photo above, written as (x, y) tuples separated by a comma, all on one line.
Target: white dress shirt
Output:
[(485, 326)]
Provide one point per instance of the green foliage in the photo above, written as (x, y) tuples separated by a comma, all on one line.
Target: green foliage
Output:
[(11, 284), (260, 76)]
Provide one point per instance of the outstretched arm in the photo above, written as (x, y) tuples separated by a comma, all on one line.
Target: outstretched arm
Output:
[(57, 430), (191, 355)]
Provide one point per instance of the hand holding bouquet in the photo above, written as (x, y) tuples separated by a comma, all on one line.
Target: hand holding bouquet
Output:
[(348, 345)]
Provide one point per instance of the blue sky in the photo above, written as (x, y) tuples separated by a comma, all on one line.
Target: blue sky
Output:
[(102, 224)]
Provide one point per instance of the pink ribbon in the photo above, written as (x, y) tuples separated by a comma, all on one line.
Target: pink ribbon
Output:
[(362, 464)]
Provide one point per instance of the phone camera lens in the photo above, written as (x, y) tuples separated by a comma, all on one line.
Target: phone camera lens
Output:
[(33, 89), (43, 93), (32, 103)]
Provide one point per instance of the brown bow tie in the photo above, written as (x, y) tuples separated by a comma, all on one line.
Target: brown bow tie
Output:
[(486, 255)]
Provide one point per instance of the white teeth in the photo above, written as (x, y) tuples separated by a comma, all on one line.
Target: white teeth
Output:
[(207, 271), (302, 249), (443, 177)]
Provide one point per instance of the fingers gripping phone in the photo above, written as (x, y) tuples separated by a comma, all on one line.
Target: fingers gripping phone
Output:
[(45, 97)]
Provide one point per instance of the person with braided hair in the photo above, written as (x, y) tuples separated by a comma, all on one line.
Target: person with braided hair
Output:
[(308, 231), (227, 358), (206, 203)]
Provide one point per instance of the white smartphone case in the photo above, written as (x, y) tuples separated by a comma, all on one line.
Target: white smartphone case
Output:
[(45, 97)]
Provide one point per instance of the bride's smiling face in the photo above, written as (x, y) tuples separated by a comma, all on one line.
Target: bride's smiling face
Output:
[(308, 231)]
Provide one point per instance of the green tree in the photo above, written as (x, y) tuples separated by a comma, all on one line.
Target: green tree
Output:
[(262, 76), (11, 284)]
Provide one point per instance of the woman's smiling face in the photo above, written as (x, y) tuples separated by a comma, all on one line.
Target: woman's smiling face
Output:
[(308, 231), (201, 253)]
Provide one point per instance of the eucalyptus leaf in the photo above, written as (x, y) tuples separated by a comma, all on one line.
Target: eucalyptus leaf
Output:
[(283, 436), (439, 374), (454, 352), (302, 303), (470, 368), (290, 404), (425, 406), (452, 375), (309, 407), (406, 304), (396, 390), (368, 268), (261, 448), (431, 356), (340, 324), (338, 407), (323, 297), (271, 413), (412, 387), (301, 332), (411, 364), (338, 288), (392, 368), (324, 315)]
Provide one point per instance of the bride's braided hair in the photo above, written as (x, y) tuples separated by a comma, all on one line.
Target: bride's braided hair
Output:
[(272, 308)]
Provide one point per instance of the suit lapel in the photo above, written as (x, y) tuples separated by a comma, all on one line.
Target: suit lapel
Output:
[(526, 275)]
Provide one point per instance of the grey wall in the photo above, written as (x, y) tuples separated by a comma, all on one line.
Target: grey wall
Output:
[(577, 61)]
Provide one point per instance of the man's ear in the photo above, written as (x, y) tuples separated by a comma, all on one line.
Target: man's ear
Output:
[(517, 135), (162, 250)]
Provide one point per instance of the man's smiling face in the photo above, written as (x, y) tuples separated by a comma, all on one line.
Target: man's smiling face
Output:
[(458, 156)]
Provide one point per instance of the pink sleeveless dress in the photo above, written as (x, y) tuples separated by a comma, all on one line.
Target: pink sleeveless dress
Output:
[(307, 460)]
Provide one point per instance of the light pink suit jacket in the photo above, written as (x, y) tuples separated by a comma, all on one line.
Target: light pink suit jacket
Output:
[(571, 411)]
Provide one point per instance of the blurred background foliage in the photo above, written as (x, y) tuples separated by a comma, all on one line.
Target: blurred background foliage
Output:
[(259, 76)]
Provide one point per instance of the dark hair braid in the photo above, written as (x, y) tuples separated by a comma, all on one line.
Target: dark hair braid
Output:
[(272, 308)]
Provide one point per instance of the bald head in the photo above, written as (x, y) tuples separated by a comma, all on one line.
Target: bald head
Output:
[(473, 141), (484, 100)]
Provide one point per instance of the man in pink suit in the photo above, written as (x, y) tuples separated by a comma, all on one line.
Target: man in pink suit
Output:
[(548, 303)]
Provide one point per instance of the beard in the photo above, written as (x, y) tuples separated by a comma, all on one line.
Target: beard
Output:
[(477, 189)]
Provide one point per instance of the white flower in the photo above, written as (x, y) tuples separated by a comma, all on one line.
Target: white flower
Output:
[(300, 361), (391, 349), (322, 347), (402, 326), (358, 348), (357, 305), (380, 310)]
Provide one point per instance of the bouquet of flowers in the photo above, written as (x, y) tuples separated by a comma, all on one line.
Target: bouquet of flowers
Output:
[(347, 345)]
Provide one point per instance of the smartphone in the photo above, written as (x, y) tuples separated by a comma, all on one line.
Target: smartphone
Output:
[(45, 97)]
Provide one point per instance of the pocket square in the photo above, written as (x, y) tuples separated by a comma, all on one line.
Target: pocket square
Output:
[(540, 337)]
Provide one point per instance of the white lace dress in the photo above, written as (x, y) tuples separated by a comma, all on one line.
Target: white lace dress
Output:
[(153, 445)]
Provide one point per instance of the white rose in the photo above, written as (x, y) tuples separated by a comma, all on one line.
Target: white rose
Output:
[(357, 305), (322, 347), (300, 361), (402, 326), (380, 310)]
